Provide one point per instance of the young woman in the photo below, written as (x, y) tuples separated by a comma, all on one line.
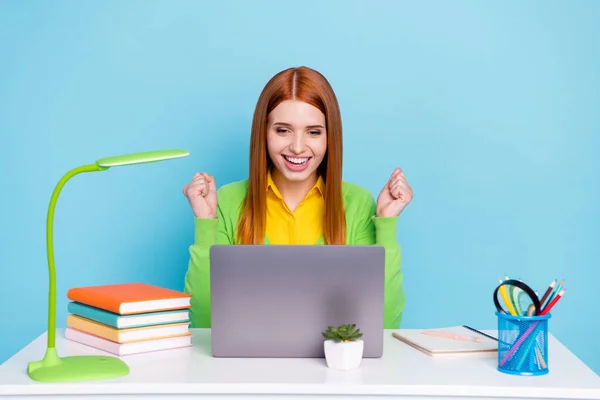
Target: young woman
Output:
[(295, 193)]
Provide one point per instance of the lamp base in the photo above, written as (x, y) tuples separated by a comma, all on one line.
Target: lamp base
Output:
[(75, 368)]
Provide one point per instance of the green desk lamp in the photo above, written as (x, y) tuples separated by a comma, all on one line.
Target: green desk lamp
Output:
[(53, 368)]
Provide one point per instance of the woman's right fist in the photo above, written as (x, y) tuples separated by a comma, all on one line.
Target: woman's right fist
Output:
[(201, 192)]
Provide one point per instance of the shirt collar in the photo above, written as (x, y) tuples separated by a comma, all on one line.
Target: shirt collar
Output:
[(319, 185)]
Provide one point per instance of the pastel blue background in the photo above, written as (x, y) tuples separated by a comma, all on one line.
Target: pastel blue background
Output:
[(491, 108)]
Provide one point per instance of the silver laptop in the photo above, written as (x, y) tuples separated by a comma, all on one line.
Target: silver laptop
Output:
[(275, 300)]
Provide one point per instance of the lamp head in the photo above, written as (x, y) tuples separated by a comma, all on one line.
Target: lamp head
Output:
[(140, 158)]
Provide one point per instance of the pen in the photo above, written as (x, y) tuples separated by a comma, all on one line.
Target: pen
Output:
[(481, 333)]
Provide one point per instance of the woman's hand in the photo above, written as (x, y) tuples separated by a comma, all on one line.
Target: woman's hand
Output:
[(201, 192), (395, 196)]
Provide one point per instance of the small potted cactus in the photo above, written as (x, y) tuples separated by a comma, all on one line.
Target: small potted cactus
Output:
[(343, 347)]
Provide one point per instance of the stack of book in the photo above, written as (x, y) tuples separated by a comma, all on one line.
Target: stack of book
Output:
[(128, 318)]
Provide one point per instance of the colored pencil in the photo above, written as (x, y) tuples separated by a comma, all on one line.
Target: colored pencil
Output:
[(541, 358), (548, 291), (553, 302), (551, 297), (507, 301), (514, 294)]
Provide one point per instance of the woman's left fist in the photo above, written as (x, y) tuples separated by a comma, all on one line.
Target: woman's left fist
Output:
[(395, 196)]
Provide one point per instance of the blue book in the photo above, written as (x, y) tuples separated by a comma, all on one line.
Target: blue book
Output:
[(128, 321)]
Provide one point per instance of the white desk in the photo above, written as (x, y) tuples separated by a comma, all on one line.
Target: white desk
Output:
[(402, 372)]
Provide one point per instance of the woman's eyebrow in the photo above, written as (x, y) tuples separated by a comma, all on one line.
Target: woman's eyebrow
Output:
[(289, 125)]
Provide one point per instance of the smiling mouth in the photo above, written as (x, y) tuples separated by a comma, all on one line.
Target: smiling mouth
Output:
[(296, 160)]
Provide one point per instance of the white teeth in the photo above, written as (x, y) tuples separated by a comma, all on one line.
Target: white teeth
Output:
[(297, 160)]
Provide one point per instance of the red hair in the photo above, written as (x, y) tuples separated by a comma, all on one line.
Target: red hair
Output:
[(309, 86)]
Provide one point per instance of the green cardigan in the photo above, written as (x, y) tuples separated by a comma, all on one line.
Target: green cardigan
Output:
[(362, 228)]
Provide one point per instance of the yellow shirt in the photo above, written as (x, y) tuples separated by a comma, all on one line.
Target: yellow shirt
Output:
[(302, 226)]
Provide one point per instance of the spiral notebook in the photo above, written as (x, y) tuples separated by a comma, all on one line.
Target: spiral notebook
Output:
[(454, 340)]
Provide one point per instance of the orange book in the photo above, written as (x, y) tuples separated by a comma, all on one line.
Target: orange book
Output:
[(130, 298)]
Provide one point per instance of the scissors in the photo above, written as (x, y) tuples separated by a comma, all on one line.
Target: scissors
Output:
[(507, 287)]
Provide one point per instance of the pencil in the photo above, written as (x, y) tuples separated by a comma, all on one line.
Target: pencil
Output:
[(553, 302), (515, 294), (540, 358), (548, 291), (562, 282), (507, 301)]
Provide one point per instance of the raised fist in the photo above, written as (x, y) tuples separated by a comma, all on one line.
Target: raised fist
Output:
[(201, 192), (395, 195)]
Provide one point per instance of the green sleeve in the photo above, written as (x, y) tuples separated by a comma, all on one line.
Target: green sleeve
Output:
[(382, 231), (197, 277)]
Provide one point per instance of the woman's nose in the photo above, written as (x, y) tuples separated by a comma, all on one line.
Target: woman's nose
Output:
[(297, 144)]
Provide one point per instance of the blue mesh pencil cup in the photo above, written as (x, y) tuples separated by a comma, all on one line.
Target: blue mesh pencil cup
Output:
[(523, 344)]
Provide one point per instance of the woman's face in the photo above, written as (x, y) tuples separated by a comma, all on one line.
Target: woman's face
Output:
[(296, 139)]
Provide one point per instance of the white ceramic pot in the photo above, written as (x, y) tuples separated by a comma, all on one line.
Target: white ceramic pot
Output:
[(343, 355)]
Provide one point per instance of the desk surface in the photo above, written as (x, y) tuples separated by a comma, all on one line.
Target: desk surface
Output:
[(401, 372)]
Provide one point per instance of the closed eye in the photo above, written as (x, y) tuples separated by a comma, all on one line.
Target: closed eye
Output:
[(315, 133)]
